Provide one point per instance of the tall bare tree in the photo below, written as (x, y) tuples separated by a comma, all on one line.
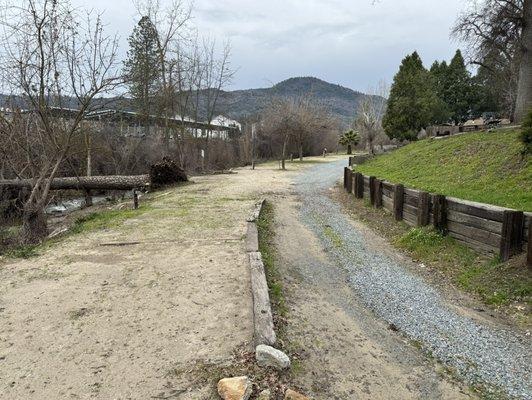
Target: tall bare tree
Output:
[(499, 34), (50, 53), (369, 116)]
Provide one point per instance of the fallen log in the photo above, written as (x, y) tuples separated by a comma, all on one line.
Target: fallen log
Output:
[(112, 182)]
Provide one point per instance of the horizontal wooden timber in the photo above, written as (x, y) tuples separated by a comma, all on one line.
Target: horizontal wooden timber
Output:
[(108, 182), (479, 235), (473, 221), (388, 186), (475, 245), (410, 209), (410, 219), (387, 203), (481, 210)]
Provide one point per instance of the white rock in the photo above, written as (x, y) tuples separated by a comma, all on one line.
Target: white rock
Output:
[(267, 356)]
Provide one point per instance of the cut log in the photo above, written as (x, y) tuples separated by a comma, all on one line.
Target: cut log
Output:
[(262, 312), (112, 182)]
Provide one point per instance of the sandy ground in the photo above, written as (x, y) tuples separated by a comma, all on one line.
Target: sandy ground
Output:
[(87, 321)]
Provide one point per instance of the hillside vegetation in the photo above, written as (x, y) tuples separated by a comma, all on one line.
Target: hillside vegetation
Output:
[(487, 167)]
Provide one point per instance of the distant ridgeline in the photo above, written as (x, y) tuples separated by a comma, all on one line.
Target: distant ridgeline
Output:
[(341, 101)]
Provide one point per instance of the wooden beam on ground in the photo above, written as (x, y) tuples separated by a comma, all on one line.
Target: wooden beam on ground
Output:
[(112, 182), (262, 314)]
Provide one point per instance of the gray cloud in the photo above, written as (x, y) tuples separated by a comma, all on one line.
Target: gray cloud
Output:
[(350, 42)]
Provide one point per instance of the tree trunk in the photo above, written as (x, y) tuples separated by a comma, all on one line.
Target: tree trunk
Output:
[(349, 151), (300, 152), (524, 88), (283, 156), (112, 182), (34, 226)]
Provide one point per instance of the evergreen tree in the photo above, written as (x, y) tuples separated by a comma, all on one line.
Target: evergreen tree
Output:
[(142, 67), (457, 93), (413, 103)]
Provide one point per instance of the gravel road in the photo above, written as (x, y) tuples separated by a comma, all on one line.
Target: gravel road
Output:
[(497, 358)]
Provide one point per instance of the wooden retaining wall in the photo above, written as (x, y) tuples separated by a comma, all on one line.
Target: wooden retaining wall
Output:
[(485, 228)]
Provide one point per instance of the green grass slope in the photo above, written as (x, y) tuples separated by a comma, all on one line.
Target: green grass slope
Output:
[(487, 167)]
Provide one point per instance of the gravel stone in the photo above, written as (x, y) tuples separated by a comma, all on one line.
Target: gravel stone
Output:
[(492, 356)]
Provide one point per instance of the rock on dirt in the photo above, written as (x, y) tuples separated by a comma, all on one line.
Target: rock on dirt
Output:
[(293, 395), (238, 388), (264, 395), (268, 356)]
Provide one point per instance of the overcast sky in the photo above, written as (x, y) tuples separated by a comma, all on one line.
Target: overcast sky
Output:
[(349, 42)]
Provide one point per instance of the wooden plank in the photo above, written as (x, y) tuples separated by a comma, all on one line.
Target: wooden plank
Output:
[(387, 186), (481, 210), (410, 219), (423, 209), (386, 192), (411, 209), (387, 203), (252, 238), (398, 202), (479, 235), (473, 244), (477, 222), (262, 312), (412, 200), (412, 192)]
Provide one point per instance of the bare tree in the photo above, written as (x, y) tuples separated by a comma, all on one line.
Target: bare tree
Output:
[(499, 33), (51, 53), (369, 116)]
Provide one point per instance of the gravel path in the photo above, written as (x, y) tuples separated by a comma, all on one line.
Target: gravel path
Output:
[(495, 357)]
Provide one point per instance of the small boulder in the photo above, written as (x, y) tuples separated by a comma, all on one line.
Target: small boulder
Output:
[(238, 388), (264, 395), (292, 395), (267, 356)]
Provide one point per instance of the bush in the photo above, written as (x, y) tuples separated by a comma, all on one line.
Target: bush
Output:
[(526, 133)]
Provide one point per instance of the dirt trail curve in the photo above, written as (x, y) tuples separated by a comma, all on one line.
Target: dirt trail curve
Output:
[(345, 277)]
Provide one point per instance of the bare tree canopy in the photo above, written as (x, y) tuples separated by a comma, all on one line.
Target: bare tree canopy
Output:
[(49, 51), (499, 34)]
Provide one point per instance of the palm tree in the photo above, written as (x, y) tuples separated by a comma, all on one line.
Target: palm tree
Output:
[(349, 139)]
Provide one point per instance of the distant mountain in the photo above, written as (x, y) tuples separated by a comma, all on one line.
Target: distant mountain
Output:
[(239, 104), (342, 102)]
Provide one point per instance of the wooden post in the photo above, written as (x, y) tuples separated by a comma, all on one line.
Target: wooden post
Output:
[(511, 234), (439, 212), (423, 206), (350, 181), (378, 193), (359, 185), (353, 183), (529, 246), (372, 190), (88, 198), (345, 177), (135, 199), (398, 201)]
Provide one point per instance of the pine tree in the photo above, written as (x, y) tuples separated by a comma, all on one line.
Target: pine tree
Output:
[(413, 103), (142, 68), (457, 93)]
